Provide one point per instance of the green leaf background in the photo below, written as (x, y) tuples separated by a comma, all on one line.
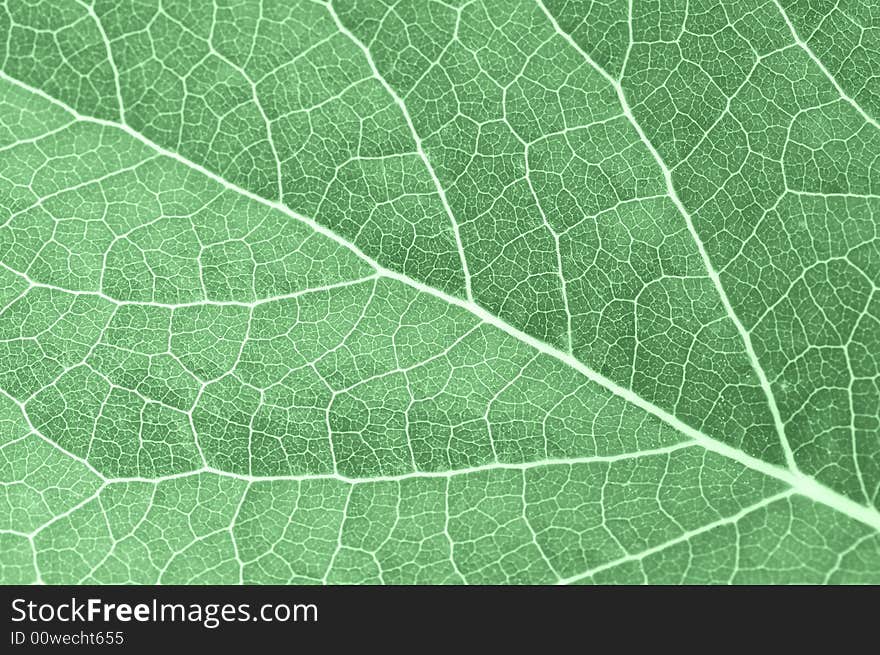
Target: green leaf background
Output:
[(439, 292)]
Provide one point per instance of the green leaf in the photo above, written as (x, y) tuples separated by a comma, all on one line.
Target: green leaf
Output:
[(425, 292)]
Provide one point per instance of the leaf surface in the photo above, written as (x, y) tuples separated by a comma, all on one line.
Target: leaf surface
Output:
[(435, 292)]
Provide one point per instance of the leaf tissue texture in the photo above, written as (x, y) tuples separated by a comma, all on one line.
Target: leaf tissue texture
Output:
[(440, 292)]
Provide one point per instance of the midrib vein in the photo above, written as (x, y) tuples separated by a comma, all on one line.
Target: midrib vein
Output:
[(801, 484)]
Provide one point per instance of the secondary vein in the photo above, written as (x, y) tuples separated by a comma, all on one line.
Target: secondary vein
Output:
[(704, 255)]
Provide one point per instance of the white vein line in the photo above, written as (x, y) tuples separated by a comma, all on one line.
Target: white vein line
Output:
[(418, 142), (710, 269), (802, 484), (33, 429), (265, 300), (563, 283), (94, 16), (37, 138), (686, 536), (279, 180), (413, 475), (812, 55), (102, 482)]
